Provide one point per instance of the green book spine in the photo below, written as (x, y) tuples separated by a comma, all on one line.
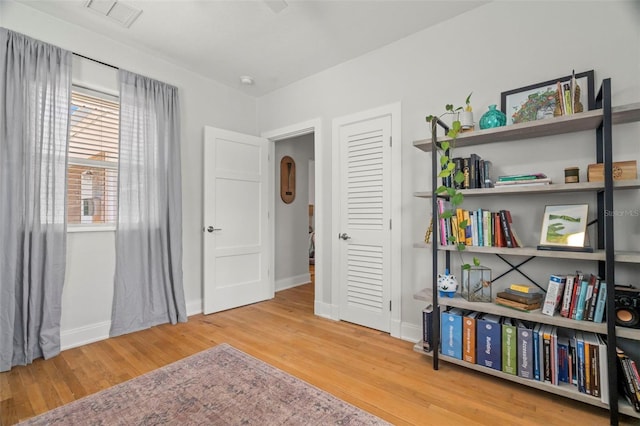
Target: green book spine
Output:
[(509, 347)]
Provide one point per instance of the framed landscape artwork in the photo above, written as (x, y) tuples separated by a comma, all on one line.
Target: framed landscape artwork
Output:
[(564, 226), (538, 101)]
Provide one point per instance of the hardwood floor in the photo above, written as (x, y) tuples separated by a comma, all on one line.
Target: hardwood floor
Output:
[(367, 368)]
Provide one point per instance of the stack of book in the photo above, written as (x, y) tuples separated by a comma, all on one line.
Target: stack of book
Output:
[(523, 180), (520, 296)]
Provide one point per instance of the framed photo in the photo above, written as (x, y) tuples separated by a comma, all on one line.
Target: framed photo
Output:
[(564, 226), (538, 101)]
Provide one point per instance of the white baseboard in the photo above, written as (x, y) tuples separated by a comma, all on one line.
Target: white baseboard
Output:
[(411, 332), (323, 310), (84, 335), (290, 282), (194, 307)]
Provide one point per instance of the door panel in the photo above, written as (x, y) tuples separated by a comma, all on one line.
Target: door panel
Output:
[(235, 247), (365, 218)]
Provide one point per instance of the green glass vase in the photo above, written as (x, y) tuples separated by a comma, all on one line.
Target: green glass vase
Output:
[(493, 118)]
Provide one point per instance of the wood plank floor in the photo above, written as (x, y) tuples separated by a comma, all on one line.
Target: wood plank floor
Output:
[(367, 368)]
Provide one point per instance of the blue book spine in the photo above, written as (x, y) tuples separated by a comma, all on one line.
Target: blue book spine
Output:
[(488, 335), (580, 362), (536, 352), (581, 299), (451, 331), (598, 316)]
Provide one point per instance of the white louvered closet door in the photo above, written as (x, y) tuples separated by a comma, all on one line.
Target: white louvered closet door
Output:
[(365, 218)]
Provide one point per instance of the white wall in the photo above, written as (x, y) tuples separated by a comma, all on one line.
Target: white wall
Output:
[(494, 48), (292, 220), (88, 290)]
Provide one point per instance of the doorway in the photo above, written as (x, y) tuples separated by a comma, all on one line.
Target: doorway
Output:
[(313, 128), (293, 199)]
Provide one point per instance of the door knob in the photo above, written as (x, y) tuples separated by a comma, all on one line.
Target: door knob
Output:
[(344, 236), (211, 229)]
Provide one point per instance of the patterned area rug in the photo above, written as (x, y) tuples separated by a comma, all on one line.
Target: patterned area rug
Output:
[(219, 386)]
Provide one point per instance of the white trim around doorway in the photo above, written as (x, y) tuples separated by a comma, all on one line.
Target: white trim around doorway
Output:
[(321, 307)]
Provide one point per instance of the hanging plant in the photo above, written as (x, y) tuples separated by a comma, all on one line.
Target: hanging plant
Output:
[(448, 170)]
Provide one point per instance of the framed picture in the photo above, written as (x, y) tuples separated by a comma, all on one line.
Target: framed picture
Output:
[(538, 101), (564, 226)]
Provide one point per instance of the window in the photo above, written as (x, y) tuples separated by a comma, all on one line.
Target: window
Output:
[(92, 177)]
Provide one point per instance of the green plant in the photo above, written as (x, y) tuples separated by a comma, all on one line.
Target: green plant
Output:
[(448, 169)]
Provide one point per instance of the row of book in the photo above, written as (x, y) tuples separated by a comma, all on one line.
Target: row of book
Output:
[(476, 172), (533, 351), (479, 227), (576, 296), (628, 379)]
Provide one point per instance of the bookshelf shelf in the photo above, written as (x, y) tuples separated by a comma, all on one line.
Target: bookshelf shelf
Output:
[(540, 189), (601, 121), (589, 120), (619, 256)]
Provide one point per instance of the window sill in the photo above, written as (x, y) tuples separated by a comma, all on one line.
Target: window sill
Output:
[(90, 228)]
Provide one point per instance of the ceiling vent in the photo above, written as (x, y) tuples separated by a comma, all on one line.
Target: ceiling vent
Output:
[(116, 11)]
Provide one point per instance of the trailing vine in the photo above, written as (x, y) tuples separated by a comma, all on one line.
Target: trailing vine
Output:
[(448, 169)]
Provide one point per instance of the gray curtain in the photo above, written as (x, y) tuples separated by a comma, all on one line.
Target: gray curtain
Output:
[(35, 89), (148, 276)]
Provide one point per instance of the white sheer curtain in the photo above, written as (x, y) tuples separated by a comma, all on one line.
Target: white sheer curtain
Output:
[(35, 87), (148, 277)]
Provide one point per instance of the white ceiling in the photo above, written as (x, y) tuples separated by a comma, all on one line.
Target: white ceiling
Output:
[(226, 39)]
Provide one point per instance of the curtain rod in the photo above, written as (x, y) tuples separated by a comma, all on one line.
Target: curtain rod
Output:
[(97, 61)]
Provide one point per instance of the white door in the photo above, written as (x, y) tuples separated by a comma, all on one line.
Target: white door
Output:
[(235, 232), (365, 221)]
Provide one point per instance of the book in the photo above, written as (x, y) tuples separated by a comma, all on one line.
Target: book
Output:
[(598, 316), (626, 380), (563, 359), (465, 171), (474, 161), (581, 299), (555, 290), (547, 359), (534, 294), (587, 299), (509, 346), (580, 363), (574, 297), (469, 337), (591, 309), (524, 288), (604, 370), (517, 305), (451, 333), (505, 228), (488, 340), (529, 182), (566, 296), (524, 298), (427, 324), (518, 177), (525, 350), (537, 352)]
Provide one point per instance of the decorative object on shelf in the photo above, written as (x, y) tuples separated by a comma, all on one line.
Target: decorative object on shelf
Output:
[(572, 175), (466, 116), (476, 284), (539, 101), (564, 226), (287, 179), (627, 302), (447, 284), (492, 118), (622, 170)]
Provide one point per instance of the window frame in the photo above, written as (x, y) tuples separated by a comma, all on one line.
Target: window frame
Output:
[(72, 161)]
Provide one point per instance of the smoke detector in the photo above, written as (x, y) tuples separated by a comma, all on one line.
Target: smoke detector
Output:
[(116, 11), (246, 80)]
